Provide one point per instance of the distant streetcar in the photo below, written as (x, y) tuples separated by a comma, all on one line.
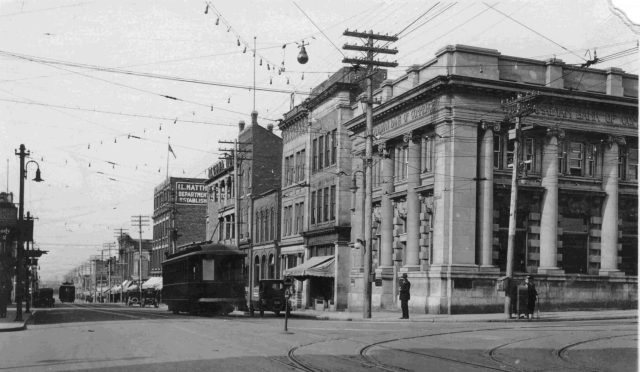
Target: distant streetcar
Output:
[(67, 292), (204, 277)]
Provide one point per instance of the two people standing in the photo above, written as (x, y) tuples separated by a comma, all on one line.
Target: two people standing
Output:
[(405, 295)]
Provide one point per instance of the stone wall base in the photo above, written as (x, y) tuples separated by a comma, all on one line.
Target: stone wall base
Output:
[(477, 292)]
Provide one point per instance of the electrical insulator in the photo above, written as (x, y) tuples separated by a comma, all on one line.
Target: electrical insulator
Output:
[(270, 81), (260, 61), (217, 21), (238, 42), (206, 10), (302, 76), (302, 56), (287, 81), (244, 50)]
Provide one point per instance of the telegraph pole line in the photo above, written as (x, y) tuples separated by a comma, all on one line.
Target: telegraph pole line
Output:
[(371, 50), (517, 108), (141, 221)]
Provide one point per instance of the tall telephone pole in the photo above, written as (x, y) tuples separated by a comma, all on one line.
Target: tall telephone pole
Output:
[(371, 50), (516, 109), (141, 221)]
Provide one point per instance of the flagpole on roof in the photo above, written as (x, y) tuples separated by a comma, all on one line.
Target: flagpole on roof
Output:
[(168, 149)]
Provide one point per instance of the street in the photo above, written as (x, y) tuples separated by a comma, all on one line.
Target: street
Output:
[(112, 337)]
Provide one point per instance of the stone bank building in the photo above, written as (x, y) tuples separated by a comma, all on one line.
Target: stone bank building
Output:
[(442, 178)]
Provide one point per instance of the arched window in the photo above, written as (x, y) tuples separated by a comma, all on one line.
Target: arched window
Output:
[(272, 267), (263, 268)]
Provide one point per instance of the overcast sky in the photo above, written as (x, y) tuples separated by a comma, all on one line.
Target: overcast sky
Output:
[(72, 87)]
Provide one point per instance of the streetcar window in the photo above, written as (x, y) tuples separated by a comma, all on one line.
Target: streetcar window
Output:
[(208, 269)]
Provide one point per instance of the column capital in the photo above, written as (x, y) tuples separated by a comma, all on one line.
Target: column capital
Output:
[(555, 132), (619, 140), (490, 125), (383, 148), (413, 136)]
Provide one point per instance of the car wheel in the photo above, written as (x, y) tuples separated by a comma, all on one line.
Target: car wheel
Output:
[(277, 312)]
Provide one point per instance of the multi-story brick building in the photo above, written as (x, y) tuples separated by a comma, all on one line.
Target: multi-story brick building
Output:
[(179, 212), (259, 153), (316, 213), (442, 181)]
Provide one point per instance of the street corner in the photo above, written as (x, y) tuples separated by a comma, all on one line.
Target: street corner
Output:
[(9, 324)]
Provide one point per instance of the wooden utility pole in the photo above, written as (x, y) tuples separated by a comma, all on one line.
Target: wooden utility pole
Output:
[(515, 109), (141, 221), (371, 50)]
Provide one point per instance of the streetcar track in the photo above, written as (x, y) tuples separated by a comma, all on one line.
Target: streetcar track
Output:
[(562, 353)]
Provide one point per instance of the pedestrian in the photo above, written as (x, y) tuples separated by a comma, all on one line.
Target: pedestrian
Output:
[(3, 300), (532, 295), (405, 295)]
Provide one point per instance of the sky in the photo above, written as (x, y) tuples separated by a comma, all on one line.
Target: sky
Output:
[(96, 90)]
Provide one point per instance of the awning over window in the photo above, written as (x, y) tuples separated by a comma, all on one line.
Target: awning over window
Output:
[(314, 267), (154, 282)]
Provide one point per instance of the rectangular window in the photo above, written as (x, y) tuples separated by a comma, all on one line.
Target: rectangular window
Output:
[(592, 160), (428, 154), (328, 146), (208, 269), (510, 148), (320, 205), (632, 157), (313, 207), (314, 152), (561, 158), (325, 215), (332, 204), (257, 227), (286, 170), (320, 152), (301, 218), (530, 155), (622, 163), (497, 152), (303, 163), (334, 146), (575, 158)]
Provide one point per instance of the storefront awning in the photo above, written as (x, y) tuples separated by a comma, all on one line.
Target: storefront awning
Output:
[(314, 267), (154, 282)]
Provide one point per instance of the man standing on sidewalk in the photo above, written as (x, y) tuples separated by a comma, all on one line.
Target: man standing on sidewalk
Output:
[(405, 295)]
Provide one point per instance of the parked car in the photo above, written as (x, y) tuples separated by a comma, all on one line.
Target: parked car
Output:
[(271, 297)]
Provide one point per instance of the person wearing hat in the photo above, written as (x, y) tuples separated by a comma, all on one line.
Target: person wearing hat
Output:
[(532, 295), (405, 287)]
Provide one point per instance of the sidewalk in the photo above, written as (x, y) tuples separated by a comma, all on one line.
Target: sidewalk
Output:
[(8, 324), (393, 316)]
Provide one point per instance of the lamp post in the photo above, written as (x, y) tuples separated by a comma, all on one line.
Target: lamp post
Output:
[(22, 153)]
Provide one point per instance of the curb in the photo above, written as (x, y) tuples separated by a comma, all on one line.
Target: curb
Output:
[(19, 327)]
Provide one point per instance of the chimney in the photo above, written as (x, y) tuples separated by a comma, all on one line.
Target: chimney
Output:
[(254, 117), (270, 127), (241, 125)]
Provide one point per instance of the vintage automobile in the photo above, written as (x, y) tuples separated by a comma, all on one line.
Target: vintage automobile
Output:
[(271, 297), (43, 297)]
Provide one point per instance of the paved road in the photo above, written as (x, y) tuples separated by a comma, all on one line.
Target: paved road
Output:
[(113, 338)]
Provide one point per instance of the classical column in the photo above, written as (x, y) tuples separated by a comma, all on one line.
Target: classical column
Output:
[(549, 217), (412, 260), (386, 223), (609, 232), (485, 196)]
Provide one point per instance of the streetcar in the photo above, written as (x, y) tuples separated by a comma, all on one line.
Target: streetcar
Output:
[(67, 292), (204, 277)]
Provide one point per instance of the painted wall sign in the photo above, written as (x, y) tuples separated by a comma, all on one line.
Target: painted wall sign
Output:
[(190, 193)]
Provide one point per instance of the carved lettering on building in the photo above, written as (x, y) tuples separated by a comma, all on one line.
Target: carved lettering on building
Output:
[(564, 112), (415, 113)]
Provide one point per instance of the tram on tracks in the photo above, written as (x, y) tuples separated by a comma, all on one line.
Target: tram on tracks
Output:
[(204, 277), (67, 292)]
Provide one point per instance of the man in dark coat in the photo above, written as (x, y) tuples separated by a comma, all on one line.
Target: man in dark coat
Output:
[(532, 295), (405, 295)]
